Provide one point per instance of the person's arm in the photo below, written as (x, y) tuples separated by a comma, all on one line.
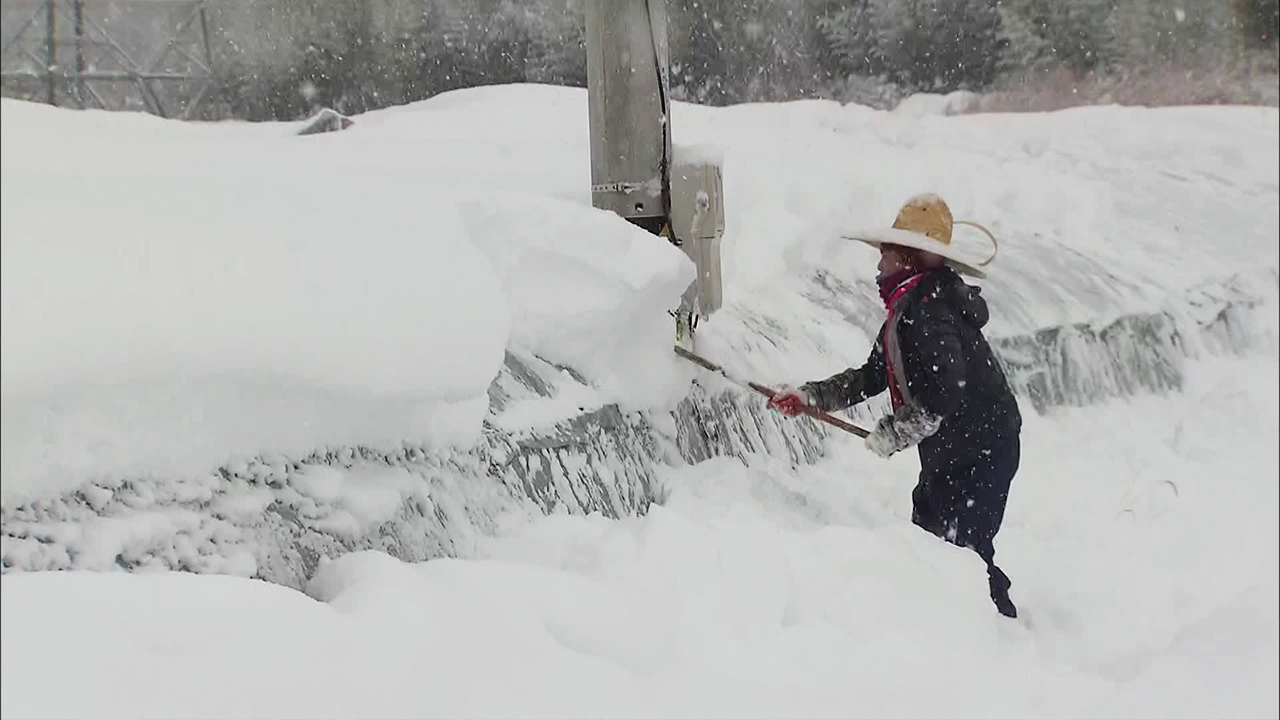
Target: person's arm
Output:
[(852, 386)]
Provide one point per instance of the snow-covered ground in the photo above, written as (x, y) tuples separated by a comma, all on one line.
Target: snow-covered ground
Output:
[(1141, 542), (177, 296)]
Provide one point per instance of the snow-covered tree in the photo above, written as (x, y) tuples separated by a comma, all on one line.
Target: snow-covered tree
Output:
[(934, 45), (735, 50), (1047, 33)]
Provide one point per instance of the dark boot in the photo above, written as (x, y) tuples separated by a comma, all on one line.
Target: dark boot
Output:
[(1000, 583)]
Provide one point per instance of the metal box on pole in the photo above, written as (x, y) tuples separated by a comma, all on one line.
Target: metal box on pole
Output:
[(697, 219)]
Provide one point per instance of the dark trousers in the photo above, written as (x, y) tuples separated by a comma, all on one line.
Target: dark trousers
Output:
[(964, 504)]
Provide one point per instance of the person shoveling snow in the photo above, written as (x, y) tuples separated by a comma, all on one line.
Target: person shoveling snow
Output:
[(949, 395)]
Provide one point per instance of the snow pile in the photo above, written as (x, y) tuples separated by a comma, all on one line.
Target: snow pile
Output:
[(578, 300), (286, 281), (1099, 211), (958, 102), (191, 295)]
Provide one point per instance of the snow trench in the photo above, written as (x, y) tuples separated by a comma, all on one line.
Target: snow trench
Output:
[(275, 518), (278, 518)]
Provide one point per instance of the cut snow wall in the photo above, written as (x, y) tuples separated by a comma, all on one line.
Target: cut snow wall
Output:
[(1084, 363), (278, 518)]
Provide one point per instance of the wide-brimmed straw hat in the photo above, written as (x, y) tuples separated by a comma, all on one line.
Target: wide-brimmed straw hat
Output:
[(925, 223)]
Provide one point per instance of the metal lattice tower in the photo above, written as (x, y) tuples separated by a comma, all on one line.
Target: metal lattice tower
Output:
[(103, 54)]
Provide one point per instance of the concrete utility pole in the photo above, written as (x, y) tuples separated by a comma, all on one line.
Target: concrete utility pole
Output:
[(635, 170), (627, 82)]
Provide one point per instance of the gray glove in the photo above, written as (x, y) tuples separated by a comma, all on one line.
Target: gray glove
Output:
[(901, 430)]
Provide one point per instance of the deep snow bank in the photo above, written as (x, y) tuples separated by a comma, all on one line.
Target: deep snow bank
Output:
[(176, 297), (385, 337), (276, 517), (1139, 539)]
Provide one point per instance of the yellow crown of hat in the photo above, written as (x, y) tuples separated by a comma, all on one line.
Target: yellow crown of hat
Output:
[(927, 215)]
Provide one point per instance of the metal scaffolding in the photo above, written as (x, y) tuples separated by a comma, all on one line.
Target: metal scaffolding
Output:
[(32, 57)]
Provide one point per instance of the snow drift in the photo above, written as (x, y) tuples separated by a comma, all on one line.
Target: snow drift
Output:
[(232, 350), (215, 310)]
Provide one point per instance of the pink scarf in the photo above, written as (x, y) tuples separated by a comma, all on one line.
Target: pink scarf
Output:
[(892, 288)]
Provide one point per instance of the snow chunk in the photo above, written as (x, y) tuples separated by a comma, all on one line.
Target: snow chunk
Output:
[(373, 495), (320, 482), (926, 104), (588, 290)]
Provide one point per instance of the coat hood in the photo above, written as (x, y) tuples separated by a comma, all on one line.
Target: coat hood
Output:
[(965, 299)]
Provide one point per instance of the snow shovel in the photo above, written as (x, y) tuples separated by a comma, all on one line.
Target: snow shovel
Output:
[(812, 412)]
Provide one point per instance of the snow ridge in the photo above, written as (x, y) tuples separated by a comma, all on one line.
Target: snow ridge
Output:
[(276, 518)]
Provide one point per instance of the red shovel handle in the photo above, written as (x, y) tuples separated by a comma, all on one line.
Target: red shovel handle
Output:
[(814, 413), (809, 410)]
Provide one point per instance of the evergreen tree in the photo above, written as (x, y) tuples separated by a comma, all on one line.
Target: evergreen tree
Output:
[(1259, 21), (931, 45), (725, 51), (1048, 33)]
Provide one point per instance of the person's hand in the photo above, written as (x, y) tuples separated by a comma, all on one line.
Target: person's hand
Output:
[(901, 430), (884, 441), (790, 401)]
